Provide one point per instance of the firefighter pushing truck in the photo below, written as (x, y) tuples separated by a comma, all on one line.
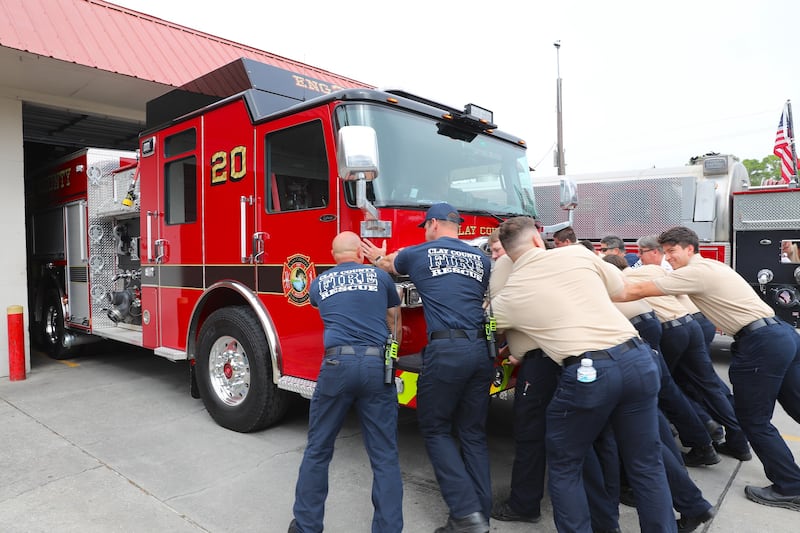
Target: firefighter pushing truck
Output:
[(201, 245), (753, 229)]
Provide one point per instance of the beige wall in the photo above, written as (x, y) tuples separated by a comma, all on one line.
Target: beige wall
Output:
[(13, 282)]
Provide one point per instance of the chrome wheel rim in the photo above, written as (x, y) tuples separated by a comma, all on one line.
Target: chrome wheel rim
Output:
[(51, 325), (229, 370)]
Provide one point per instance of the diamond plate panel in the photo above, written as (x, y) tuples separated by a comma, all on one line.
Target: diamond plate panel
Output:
[(768, 210), (105, 194), (628, 209)]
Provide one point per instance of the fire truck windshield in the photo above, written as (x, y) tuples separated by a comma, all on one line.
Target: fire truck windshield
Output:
[(422, 162)]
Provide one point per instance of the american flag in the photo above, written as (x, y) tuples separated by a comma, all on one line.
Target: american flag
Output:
[(782, 147)]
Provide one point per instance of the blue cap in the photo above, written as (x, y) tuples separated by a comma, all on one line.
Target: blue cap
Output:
[(442, 211)]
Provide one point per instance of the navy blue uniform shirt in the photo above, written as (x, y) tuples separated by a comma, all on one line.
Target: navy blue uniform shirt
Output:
[(452, 278), (352, 299)]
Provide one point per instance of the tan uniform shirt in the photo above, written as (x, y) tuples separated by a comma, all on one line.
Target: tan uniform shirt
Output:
[(518, 342), (718, 291), (560, 298), (633, 308), (687, 303), (666, 307)]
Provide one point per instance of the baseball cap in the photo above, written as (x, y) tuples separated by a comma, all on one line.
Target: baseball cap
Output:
[(442, 211)]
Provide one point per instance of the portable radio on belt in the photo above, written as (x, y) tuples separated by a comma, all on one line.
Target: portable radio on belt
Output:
[(490, 326), (390, 356)]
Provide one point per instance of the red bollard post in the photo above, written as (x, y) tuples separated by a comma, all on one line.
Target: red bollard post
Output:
[(16, 343)]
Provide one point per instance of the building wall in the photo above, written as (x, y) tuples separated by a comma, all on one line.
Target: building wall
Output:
[(13, 282)]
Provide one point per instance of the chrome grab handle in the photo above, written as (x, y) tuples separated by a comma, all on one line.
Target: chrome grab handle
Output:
[(244, 202), (161, 246), (258, 246), (150, 214)]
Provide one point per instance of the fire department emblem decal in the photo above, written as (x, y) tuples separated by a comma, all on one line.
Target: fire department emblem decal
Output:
[(298, 271)]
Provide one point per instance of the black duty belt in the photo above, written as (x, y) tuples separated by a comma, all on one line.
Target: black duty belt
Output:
[(685, 319), (601, 354), (351, 350), (754, 325), (641, 318), (451, 334)]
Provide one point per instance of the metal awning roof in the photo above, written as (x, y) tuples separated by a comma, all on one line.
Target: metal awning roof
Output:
[(105, 36), (85, 69)]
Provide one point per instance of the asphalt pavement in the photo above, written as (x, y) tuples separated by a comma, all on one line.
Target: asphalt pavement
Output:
[(112, 442)]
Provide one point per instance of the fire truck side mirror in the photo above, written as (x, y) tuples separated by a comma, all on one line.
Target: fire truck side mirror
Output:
[(569, 194), (357, 152)]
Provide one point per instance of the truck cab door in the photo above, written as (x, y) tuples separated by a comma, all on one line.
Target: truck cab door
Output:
[(295, 225)]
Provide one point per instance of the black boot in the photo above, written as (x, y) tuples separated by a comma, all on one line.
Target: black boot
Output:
[(687, 524), (472, 523), (701, 456)]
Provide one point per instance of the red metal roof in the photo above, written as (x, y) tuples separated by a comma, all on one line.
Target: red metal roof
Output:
[(116, 39)]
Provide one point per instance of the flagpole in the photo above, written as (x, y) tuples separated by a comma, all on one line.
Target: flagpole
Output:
[(790, 130)]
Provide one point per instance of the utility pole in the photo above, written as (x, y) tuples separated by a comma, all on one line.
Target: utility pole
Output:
[(559, 130)]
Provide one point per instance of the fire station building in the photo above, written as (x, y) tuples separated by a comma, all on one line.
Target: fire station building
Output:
[(77, 74)]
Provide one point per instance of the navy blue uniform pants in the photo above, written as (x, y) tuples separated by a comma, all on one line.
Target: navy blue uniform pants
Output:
[(625, 396), (347, 381), (687, 498), (671, 399), (684, 349), (537, 378), (765, 368), (709, 329), (709, 333), (602, 481), (453, 395)]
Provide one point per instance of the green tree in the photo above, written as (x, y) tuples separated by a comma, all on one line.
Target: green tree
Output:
[(760, 171)]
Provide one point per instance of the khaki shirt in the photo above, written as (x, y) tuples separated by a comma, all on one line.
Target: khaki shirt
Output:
[(518, 342), (666, 307), (687, 303), (718, 291), (560, 298), (633, 308)]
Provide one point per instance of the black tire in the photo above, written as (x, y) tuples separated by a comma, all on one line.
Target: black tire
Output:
[(234, 372), (50, 330)]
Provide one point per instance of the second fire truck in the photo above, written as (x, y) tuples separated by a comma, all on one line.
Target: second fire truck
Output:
[(754, 229)]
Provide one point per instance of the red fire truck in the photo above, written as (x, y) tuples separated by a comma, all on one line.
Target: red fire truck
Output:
[(755, 230), (202, 245)]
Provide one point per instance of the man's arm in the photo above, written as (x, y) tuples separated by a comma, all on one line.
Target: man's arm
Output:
[(637, 291), (378, 256), (395, 322)]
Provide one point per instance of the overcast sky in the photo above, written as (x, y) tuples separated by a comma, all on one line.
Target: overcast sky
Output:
[(644, 84)]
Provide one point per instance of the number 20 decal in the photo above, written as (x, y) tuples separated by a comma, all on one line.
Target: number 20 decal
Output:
[(224, 165)]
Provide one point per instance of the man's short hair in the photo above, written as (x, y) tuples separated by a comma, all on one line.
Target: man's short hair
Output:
[(513, 231), (566, 234), (680, 235), (616, 260), (494, 236), (588, 245), (612, 241)]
